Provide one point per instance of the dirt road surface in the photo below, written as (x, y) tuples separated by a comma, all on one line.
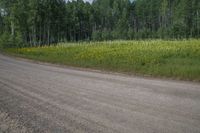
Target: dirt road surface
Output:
[(45, 98)]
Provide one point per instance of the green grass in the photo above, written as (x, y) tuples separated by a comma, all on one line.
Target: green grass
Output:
[(174, 59)]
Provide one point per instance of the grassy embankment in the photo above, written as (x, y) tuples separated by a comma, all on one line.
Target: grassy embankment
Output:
[(176, 59)]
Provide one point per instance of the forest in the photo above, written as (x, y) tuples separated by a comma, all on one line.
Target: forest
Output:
[(45, 22)]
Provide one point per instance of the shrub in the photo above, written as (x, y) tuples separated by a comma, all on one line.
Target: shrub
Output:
[(5, 40), (9, 41), (97, 35)]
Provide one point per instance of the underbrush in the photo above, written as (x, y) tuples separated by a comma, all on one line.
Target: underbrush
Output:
[(177, 59)]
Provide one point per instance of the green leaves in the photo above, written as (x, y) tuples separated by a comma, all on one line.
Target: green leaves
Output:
[(45, 22)]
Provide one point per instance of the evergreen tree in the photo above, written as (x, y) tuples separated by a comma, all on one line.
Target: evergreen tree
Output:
[(43, 22)]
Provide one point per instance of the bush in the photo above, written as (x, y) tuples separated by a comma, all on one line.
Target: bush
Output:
[(106, 35), (5, 40), (131, 34), (143, 33), (8, 41), (178, 30), (18, 41), (97, 36)]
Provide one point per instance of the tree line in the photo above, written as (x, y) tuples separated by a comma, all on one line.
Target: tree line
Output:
[(43, 22)]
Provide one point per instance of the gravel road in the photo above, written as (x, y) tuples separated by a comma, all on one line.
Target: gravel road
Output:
[(44, 98)]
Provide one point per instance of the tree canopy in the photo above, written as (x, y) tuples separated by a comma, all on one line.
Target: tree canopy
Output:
[(40, 22)]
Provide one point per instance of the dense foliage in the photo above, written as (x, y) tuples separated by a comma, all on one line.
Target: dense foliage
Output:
[(39, 22), (178, 59)]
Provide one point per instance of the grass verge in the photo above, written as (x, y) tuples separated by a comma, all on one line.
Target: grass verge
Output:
[(174, 59)]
